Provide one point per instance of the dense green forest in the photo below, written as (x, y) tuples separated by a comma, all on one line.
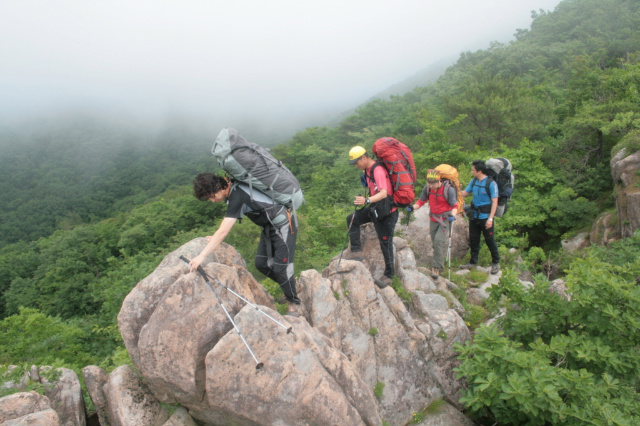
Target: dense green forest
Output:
[(90, 207)]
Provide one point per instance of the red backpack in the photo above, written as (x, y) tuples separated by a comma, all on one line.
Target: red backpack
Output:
[(398, 160)]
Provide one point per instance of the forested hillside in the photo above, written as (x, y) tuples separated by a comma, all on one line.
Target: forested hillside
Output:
[(87, 214), (64, 170)]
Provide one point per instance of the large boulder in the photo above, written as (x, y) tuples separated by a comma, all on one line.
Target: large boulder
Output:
[(22, 404), (625, 170), (94, 379), (184, 321), (47, 417), (142, 301), (65, 394)]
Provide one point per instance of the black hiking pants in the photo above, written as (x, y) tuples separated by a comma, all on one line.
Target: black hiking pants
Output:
[(275, 255), (477, 228), (384, 230)]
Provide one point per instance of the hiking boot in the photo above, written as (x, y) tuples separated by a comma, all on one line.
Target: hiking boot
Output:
[(353, 255), (435, 273), (469, 266), (495, 268), (287, 299), (383, 282)]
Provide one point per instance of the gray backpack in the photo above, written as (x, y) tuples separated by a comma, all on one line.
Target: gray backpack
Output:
[(254, 165), (501, 170)]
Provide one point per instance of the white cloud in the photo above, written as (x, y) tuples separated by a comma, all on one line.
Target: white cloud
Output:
[(214, 56)]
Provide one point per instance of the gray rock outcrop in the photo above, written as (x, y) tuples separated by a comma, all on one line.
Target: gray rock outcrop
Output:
[(349, 339), (575, 243), (605, 230), (625, 168)]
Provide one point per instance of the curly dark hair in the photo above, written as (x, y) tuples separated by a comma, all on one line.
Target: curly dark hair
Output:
[(205, 185)]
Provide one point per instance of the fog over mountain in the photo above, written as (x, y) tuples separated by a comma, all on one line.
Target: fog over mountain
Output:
[(256, 62)]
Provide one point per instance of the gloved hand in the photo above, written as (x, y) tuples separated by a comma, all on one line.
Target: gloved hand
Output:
[(409, 209), (451, 218)]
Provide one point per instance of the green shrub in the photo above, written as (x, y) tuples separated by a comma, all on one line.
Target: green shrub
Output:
[(477, 276), (553, 360), (402, 293), (475, 316), (378, 389)]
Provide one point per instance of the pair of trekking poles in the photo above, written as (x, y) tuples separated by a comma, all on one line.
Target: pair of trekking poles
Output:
[(206, 277)]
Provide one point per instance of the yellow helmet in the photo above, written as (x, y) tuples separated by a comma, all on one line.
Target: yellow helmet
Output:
[(355, 154)]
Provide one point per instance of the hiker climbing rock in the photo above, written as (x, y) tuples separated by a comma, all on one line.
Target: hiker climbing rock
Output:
[(442, 196), (481, 213), (378, 208), (277, 244)]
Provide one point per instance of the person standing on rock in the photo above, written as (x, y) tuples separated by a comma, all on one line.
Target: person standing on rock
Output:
[(443, 203), (483, 210), (378, 208), (278, 238)]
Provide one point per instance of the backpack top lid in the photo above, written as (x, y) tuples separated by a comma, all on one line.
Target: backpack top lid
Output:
[(500, 170), (497, 164), (254, 165), (448, 172)]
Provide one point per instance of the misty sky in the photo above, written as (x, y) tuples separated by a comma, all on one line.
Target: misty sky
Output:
[(224, 57)]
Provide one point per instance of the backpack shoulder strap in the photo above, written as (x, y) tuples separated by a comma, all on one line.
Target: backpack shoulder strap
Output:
[(488, 184), (371, 179), (446, 183), (376, 164)]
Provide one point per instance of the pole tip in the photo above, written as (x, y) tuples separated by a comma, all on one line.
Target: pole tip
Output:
[(289, 330), (259, 366)]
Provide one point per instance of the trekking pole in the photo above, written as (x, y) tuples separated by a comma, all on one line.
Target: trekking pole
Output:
[(289, 329), (259, 365), (344, 246), (449, 249)]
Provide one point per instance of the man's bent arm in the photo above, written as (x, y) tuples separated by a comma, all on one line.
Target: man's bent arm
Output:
[(214, 241), (379, 196)]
